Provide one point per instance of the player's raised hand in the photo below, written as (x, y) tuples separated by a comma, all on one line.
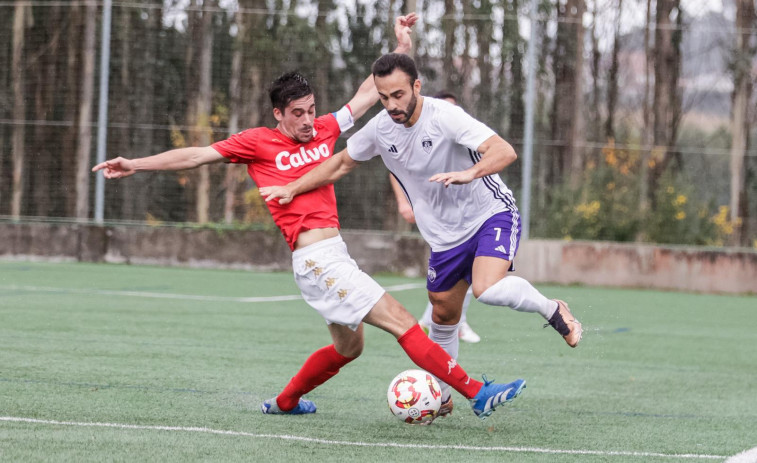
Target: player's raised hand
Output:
[(402, 30), (453, 178), (116, 168), (282, 193)]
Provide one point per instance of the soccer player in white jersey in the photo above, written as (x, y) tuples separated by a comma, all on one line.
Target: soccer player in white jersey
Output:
[(464, 332), (328, 278), (447, 163)]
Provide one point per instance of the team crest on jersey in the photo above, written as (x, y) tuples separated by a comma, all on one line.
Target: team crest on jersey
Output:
[(427, 144), (431, 274)]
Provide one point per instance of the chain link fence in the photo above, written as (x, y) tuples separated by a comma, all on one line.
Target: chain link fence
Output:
[(609, 162)]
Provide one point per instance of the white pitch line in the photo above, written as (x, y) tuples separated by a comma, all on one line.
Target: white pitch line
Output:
[(314, 440), (747, 456), (188, 297)]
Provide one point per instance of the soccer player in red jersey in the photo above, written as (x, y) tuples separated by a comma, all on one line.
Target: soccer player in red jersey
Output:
[(328, 278)]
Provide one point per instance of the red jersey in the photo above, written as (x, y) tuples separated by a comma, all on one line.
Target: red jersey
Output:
[(273, 159)]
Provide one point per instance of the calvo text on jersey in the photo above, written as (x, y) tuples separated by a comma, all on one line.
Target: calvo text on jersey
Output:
[(286, 160)]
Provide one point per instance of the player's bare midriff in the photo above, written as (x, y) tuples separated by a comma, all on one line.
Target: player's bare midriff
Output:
[(315, 235)]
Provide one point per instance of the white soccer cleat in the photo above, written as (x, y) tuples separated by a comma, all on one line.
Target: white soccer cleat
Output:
[(466, 333)]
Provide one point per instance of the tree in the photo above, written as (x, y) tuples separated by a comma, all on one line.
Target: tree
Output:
[(235, 106), (740, 114), (323, 35), (6, 105), (646, 134), (484, 93), (148, 25), (449, 28), (464, 88), (544, 154), (512, 54), (259, 44), (199, 109), (133, 86), (595, 125), (612, 78), (666, 108), (42, 194), (84, 147), (120, 84), (72, 72), (568, 97), (19, 105)]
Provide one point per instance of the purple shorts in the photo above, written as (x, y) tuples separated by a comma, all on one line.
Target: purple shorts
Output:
[(498, 237)]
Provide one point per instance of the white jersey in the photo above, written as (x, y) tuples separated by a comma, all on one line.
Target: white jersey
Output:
[(444, 139)]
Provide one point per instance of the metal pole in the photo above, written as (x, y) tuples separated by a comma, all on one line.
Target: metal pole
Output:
[(102, 118), (528, 135)]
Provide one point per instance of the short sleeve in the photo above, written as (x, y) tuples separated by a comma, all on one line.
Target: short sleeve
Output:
[(466, 130), (238, 148), (362, 145)]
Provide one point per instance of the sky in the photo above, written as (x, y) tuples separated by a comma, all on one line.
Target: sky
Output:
[(637, 14), (634, 12)]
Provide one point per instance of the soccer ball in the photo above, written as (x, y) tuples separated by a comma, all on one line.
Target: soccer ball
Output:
[(414, 396)]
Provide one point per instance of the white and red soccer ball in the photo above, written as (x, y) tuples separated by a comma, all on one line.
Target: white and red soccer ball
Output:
[(414, 396)]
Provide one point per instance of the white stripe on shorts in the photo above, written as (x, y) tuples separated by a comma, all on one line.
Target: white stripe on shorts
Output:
[(514, 235)]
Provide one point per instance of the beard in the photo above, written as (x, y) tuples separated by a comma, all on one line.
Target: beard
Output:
[(303, 137), (407, 113)]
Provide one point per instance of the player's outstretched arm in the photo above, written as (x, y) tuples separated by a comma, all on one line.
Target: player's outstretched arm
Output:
[(367, 96), (178, 159), (326, 173), (496, 154)]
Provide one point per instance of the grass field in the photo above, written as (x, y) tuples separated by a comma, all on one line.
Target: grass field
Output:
[(126, 363)]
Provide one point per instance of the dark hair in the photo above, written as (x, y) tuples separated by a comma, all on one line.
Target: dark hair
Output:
[(287, 88), (386, 65), (445, 95)]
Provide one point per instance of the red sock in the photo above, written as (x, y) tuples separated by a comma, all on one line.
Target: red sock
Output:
[(431, 357), (318, 368)]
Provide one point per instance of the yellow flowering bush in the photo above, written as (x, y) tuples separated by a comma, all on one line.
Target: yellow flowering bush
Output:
[(676, 218), (724, 226), (605, 205)]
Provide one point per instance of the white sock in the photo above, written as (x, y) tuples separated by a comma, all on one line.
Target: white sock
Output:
[(466, 303), (426, 318), (445, 336), (520, 295)]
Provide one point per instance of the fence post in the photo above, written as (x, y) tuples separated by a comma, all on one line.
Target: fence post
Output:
[(102, 118), (528, 135)]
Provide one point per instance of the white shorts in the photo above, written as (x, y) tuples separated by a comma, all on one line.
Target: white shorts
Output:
[(332, 283)]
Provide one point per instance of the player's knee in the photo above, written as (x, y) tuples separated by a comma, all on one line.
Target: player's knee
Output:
[(480, 288), (351, 349), (443, 317), (354, 352), (483, 282), (445, 312), (391, 316)]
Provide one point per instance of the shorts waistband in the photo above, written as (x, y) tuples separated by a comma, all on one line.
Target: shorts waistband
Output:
[(316, 246)]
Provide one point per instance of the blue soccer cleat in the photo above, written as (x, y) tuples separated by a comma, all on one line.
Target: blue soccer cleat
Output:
[(493, 395), (270, 407)]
